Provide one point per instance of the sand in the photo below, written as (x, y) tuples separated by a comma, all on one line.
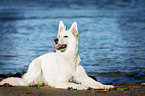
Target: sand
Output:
[(121, 90)]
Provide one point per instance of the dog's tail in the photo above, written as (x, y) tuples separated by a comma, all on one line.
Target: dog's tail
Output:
[(14, 81)]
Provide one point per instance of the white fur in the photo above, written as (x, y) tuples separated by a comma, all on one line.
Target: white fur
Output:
[(59, 68), (14, 81)]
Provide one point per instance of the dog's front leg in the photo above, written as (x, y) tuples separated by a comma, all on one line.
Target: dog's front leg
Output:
[(82, 77), (65, 85), (89, 82)]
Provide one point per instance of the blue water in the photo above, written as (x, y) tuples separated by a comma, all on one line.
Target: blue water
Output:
[(111, 39)]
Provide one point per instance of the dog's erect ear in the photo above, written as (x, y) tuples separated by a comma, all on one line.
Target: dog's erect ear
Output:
[(61, 26), (74, 29)]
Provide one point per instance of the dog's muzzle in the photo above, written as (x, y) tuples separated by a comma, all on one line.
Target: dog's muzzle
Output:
[(60, 47)]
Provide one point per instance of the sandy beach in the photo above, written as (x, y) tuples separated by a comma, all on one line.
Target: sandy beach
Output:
[(123, 89)]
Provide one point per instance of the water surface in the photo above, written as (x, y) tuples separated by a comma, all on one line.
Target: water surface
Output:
[(111, 39)]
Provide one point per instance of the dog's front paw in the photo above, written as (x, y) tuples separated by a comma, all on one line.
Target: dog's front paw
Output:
[(77, 88), (108, 86), (80, 88)]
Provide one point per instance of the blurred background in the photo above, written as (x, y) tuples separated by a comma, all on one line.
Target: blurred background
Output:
[(111, 39)]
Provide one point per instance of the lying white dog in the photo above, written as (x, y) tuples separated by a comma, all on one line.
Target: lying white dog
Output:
[(61, 68)]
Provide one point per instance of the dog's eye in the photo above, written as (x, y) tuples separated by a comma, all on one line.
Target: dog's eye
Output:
[(65, 36)]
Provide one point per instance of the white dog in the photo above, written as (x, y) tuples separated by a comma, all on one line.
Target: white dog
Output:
[(61, 68)]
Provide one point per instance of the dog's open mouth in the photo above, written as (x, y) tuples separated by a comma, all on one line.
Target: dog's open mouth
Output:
[(61, 47)]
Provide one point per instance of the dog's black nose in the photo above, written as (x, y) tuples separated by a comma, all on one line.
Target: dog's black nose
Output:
[(56, 40)]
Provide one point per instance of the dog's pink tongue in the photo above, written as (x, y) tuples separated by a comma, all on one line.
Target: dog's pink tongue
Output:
[(58, 46)]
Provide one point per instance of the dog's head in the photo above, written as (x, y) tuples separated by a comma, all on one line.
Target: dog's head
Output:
[(66, 39)]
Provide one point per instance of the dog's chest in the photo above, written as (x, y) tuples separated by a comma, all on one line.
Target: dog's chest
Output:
[(67, 67)]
